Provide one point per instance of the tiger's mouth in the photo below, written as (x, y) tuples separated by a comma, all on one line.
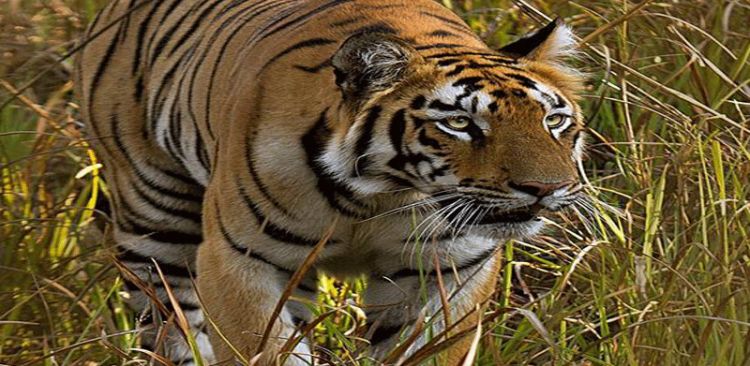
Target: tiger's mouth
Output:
[(495, 217), (518, 215)]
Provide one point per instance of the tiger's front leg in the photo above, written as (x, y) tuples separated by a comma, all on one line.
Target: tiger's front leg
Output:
[(395, 301), (240, 287)]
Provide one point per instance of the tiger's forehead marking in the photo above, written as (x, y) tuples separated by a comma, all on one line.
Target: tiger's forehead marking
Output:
[(456, 99), (551, 100), (481, 94)]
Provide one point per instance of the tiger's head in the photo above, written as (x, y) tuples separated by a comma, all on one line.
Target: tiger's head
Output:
[(491, 138)]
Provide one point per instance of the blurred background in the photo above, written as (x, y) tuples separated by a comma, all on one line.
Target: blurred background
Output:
[(662, 278)]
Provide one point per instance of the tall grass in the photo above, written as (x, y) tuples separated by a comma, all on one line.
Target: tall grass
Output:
[(666, 281)]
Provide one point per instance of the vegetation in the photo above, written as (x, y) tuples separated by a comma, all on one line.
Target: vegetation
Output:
[(665, 282)]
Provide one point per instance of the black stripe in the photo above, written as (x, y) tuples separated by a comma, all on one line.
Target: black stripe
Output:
[(243, 250), (560, 102), (168, 145), (314, 142), (477, 66), (457, 54), (193, 27), (384, 332), (215, 67), (499, 59), (314, 69), (279, 17), (142, 28), (364, 140), (518, 92), (233, 4), (454, 22), (169, 33), (443, 33), (439, 105), (175, 131), (169, 11), (410, 272), (456, 70), (449, 62), (250, 163), (125, 23), (305, 287), (418, 102), (129, 255), (205, 52), (493, 107), (269, 228), (139, 89), (297, 321), (399, 162), (474, 104), (526, 82), (499, 94), (440, 45), (179, 120), (133, 287), (148, 182), (314, 42), (456, 25), (95, 22), (166, 82), (199, 150), (397, 129), (438, 172), (188, 181), (428, 141), (471, 82), (345, 22), (101, 67), (302, 18), (193, 216), (185, 307), (160, 235), (380, 27)]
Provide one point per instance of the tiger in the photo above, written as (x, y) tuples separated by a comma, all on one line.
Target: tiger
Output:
[(237, 136)]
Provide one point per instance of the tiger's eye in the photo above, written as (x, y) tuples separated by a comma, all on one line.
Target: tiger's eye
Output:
[(458, 123), (555, 120)]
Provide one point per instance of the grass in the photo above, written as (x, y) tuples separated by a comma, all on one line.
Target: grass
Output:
[(665, 283)]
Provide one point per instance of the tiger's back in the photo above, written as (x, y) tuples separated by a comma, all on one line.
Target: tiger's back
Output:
[(175, 66), (249, 126)]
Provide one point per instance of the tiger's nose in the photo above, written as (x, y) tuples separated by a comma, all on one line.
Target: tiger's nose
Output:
[(539, 189)]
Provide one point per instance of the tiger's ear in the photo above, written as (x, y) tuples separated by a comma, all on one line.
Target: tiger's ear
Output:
[(550, 43), (370, 62)]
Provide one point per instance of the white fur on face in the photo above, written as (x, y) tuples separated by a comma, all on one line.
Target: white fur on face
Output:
[(579, 147)]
